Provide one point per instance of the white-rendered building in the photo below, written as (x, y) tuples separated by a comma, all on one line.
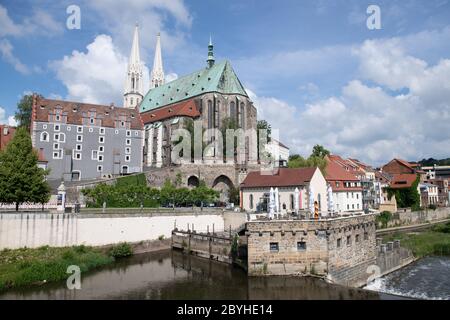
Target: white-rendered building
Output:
[(256, 186)]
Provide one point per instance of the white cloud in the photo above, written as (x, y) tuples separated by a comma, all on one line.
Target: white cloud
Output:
[(6, 120), (369, 122), (95, 76), (171, 76), (38, 22), (119, 17), (12, 121), (6, 50)]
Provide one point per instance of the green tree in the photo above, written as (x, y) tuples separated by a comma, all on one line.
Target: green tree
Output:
[(297, 161), (21, 180), (319, 151), (24, 110), (202, 194)]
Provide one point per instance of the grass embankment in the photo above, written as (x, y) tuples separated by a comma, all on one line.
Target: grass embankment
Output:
[(435, 241), (26, 266)]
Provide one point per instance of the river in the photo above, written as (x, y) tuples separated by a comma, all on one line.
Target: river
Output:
[(173, 275), (427, 278)]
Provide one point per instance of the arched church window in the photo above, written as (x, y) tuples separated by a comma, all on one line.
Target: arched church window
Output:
[(241, 115), (233, 111), (131, 101), (216, 114), (210, 114)]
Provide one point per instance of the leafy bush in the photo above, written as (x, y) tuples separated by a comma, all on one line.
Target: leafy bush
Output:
[(443, 228), (121, 250), (432, 207), (383, 218)]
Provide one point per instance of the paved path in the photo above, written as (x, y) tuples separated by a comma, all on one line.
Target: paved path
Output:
[(410, 227)]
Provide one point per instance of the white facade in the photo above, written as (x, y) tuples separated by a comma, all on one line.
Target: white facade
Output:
[(431, 191), (347, 201), (253, 198), (277, 151)]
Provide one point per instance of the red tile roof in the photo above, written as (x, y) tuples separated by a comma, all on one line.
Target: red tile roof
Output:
[(77, 111), (285, 177), (186, 108), (337, 175), (404, 180)]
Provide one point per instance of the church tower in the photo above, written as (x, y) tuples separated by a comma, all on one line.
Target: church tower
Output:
[(132, 96), (157, 74)]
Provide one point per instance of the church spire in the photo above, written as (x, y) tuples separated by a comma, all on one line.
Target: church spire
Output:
[(157, 74), (210, 60), (133, 84)]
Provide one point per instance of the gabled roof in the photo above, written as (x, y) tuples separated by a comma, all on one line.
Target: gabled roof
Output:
[(334, 172), (285, 177), (219, 78), (186, 108), (77, 111)]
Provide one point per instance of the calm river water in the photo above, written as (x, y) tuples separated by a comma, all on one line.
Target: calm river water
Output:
[(172, 275)]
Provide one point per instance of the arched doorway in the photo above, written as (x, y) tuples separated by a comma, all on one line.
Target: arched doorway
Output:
[(193, 182), (223, 184)]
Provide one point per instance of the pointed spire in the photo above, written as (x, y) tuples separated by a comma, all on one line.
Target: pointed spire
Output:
[(133, 84), (135, 55), (157, 74), (210, 60)]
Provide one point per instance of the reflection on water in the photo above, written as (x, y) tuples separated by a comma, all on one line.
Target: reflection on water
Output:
[(427, 278), (173, 275)]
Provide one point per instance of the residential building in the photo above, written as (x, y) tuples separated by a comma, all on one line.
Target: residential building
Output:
[(278, 151), (399, 166), (442, 189), (346, 187), (436, 171), (84, 141), (428, 194), (371, 194), (255, 189)]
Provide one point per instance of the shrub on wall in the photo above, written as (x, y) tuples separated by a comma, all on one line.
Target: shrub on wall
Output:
[(407, 197)]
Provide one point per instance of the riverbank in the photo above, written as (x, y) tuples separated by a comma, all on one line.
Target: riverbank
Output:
[(24, 267), (32, 267), (435, 241)]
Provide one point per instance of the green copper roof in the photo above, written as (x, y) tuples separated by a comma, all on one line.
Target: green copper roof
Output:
[(219, 78)]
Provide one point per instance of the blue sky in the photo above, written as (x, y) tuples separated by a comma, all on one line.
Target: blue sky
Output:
[(313, 68)]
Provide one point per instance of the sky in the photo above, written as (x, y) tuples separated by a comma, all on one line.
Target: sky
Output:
[(313, 69)]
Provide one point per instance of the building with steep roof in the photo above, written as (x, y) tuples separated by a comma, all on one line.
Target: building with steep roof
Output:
[(211, 99), (81, 141), (255, 189), (346, 187)]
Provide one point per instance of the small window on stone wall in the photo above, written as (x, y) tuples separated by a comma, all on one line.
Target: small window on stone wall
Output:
[(349, 240), (301, 246), (366, 235), (338, 243), (274, 247), (357, 238)]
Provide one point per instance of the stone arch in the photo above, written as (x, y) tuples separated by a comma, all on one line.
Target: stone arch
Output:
[(223, 184), (193, 181)]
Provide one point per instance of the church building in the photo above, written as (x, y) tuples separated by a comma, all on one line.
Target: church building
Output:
[(212, 98)]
